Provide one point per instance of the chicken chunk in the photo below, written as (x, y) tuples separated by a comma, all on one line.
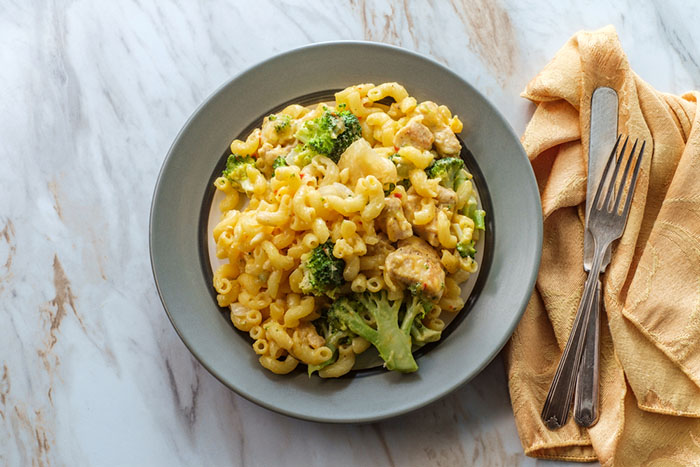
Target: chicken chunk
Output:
[(414, 134), (446, 197), (392, 220), (446, 142), (416, 264)]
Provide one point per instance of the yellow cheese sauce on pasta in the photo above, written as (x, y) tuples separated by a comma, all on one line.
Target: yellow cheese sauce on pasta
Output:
[(375, 191)]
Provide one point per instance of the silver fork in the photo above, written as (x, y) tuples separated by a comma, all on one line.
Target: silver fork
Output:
[(606, 224)]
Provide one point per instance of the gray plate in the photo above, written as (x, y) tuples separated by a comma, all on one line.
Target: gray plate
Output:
[(178, 234)]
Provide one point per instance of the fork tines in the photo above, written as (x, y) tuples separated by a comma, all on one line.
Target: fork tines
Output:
[(612, 199)]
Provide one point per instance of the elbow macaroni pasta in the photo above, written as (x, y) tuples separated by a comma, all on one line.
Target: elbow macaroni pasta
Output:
[(292, 210)]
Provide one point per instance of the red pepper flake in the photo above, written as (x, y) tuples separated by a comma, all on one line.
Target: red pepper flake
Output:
[(360, 117), (301, 175), (398, 195), (396, 149), (425, 285)]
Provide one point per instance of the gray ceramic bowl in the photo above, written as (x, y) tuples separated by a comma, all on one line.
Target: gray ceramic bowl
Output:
[(183, 193)]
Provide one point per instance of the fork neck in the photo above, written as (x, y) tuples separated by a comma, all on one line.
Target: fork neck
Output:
[(598, 256)]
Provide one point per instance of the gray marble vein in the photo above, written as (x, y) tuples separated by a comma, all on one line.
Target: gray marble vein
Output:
[(92, 95)]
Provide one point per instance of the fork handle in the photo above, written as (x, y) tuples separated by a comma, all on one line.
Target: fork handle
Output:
[(586, 396), (555, 412)]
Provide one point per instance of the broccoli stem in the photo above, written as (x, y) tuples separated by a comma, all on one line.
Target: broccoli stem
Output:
[(392, 342), (359, 327), (469, 207), (478, 219), (413, 311)]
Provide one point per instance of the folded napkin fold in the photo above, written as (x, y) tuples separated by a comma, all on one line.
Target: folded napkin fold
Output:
[(650, 333)]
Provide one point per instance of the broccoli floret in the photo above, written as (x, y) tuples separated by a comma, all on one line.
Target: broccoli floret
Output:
[(328, 135), (282, 121), (334, 337), (391, 338), (352, 132), (323, 272), (279, 162), (422, 334), (319, 134), (236, 172), (466, 248), (447, 170), (302, 155)]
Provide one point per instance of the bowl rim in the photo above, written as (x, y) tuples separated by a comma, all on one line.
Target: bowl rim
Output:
[(437, 394)]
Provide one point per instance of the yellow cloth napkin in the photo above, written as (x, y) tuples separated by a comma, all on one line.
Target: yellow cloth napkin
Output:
[(650, 344)]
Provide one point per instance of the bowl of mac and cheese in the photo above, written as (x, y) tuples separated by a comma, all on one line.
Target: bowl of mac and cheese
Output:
[(349, 244)]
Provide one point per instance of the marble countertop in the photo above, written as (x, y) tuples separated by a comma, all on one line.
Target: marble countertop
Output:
[(92, 95)]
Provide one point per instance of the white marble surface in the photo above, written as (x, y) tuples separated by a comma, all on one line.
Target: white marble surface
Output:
[(91, 96)]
